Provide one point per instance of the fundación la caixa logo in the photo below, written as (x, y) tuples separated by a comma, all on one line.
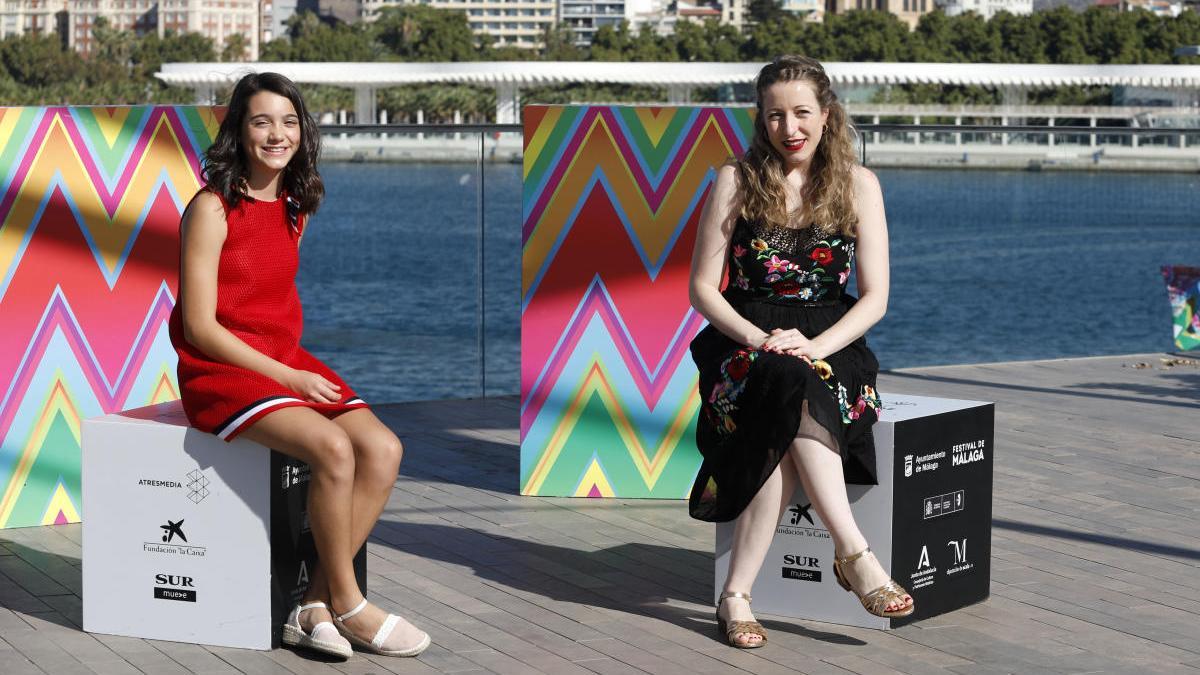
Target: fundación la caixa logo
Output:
[(174, 541)]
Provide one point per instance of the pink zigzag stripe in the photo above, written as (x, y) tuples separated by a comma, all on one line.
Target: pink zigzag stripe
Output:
[(59, 315), (654, 195), (137, 157), (182, 136), (110, 200), (650, 387), (22, 172)]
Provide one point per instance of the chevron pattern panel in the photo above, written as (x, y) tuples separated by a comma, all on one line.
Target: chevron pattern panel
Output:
[(612, 196), (89, 242)]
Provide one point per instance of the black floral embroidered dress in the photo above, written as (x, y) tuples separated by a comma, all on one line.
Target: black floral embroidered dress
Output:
[(751, 400)]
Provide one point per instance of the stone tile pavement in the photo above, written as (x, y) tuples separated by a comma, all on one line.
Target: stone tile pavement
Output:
[(1095, 569)]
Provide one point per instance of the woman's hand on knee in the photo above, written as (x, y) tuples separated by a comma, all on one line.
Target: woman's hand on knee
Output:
[(312, 387)]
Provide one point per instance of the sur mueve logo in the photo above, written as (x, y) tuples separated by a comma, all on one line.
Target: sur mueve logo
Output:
[(801, 567), (174, 540), (174, 587)]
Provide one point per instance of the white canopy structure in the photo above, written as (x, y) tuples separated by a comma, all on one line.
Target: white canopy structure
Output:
[(509, 77)]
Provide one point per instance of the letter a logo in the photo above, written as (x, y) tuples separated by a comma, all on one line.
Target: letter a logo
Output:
[(924, 561), (302, 579)]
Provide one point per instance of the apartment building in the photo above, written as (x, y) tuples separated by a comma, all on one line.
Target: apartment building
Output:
[(986, 8), (18, 17), (74, 20), (909, 11), (518, 23)]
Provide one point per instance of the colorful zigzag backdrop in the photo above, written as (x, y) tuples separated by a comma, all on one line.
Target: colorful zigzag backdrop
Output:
[(89, 241), (612, 197)]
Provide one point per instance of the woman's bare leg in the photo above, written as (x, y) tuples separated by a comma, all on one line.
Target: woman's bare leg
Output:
[(752, 535), (377, 455), (312, 438), (820, 472)]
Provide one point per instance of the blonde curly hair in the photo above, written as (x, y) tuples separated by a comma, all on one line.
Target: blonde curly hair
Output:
[(827, 199)]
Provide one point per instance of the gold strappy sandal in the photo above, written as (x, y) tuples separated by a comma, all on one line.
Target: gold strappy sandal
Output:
[(732, 628), (876, 601)]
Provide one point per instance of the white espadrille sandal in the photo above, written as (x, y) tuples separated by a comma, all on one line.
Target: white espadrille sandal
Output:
[(323, 638), (380, 644)]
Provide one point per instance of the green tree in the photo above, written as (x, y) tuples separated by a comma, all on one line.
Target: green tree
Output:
[(558, 44), (765, 12), (151, 51), (1063, 35), (707, 41), (869, 36), (422, 33), (34, 60), (1021, 38), (236, 46)]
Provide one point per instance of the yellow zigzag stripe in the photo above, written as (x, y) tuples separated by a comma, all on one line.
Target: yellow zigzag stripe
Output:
[(56, 401), (594, 476), (655, 124), (61, 501), (599, 150), (537, 143), (596, 383), (110, 123), (58, 155)]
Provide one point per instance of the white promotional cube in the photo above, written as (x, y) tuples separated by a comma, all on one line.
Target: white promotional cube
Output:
[(189, 538), (928, 520)]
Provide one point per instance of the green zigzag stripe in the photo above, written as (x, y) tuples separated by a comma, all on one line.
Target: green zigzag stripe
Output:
[(12, 149), (549, 156), (109, 157), (655, 155), (596, 435), (190, 115), (59, 456)]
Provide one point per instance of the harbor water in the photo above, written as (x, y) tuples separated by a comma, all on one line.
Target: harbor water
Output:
[(985, 266)]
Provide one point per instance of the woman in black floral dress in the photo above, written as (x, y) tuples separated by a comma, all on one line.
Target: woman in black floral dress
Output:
[(786, 379)]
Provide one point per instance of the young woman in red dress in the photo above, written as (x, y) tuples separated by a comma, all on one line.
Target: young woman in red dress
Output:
[(242, 371)]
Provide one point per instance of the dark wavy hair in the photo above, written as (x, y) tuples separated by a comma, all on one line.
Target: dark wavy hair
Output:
[(827, 200), (225, 166)]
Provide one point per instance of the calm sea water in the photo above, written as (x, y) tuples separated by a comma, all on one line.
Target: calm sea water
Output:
[(986, 266)]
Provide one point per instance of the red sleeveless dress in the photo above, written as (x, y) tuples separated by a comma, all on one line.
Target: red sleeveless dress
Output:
[(257, 301)]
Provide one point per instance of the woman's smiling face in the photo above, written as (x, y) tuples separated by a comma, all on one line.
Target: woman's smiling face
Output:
[(794, 121), (270, 132)]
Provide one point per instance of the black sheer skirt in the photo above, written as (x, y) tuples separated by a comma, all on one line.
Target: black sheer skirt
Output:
[(752, 403)]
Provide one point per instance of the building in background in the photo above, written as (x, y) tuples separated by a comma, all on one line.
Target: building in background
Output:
[(584, 17), (517, 23), (18, 17), (217, 20), (909, 11), (1165, 8), (74, 20), (811, 10), (986, 8)]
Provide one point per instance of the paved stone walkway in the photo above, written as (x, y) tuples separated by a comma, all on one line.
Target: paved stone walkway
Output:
[(1096, 554)]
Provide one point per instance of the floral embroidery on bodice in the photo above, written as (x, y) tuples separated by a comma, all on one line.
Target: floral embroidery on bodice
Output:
[(807, 265)]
